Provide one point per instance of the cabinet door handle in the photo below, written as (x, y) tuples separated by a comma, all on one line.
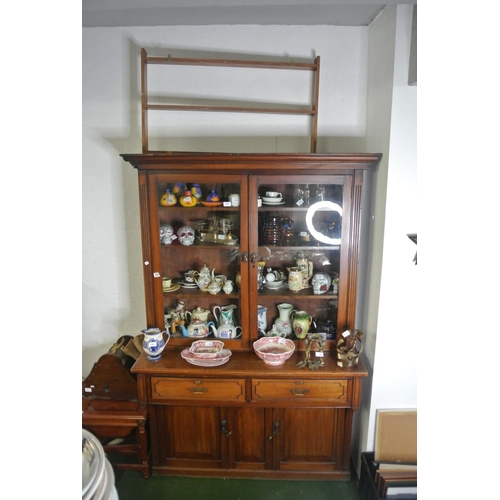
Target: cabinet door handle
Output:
[(223, 428), (299, 392), (244, 257), (276, 428), (198, 390), (253, 259)]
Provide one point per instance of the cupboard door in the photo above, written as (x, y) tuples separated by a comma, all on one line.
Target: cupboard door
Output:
[(307, 226), (308, 439), (248, 443), (190, 436), (191, 234)]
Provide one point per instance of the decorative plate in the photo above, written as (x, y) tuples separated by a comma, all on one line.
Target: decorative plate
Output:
[(221, 358), (212, 203)]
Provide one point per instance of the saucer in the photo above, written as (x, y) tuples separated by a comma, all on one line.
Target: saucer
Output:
[(274, 203), (274, 285), (188, 285), (173, 288), (268, 199)]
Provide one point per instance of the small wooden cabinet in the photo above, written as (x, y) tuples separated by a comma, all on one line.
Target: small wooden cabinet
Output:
[(245, 418)]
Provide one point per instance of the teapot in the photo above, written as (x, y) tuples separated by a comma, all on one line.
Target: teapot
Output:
[(226, 331), (197, 328), (199, 314), (205, 276)]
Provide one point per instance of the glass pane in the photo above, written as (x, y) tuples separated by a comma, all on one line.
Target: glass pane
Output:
[(300, 235), (200, 245)]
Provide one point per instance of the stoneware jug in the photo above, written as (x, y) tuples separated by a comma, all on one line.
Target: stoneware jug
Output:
[(154, 342), (226, 331), (225, 316), (301, 323)]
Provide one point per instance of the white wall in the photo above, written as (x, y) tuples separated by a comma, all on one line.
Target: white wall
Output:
[(388, 298), (113, 297)]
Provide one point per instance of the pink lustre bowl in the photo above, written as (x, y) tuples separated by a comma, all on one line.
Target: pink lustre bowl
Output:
[(206, 349), (274, 351)]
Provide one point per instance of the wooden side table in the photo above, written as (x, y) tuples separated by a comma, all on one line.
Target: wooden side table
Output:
[(110, 419)]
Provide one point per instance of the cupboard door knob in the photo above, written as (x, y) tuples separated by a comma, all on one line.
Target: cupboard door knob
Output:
[(224, 430), (276, 428), (253, 258), (244, 257)]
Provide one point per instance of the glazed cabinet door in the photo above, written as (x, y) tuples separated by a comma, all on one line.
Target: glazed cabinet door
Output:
[(302, 281), (199, 253)]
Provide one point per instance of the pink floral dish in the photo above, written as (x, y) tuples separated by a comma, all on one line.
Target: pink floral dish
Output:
[(206, 349), (219, 359), (274, 351)]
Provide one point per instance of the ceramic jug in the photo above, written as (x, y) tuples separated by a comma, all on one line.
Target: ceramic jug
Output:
[(225, 316), (262, 318), (228, 287), (301, 323), (283, 323), (154, 342), (226, 331)]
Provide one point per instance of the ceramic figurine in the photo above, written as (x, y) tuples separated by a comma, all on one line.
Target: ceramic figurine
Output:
[(168, 199), (187, 199), (213, 196)]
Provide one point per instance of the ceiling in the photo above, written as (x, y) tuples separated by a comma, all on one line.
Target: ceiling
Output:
[(109, 13)]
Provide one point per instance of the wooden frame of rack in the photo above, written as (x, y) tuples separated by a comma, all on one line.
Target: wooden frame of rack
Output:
[(291, 65)]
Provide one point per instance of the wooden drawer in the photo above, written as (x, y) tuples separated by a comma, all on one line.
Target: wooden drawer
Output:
[(197, 389), (331, 390)]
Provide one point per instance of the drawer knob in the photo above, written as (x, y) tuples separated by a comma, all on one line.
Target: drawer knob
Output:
[(299, 392)]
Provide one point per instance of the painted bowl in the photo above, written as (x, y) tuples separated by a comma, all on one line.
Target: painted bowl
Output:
[(274, 351)]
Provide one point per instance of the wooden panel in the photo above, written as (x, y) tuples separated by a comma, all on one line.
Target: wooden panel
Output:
[(334, 390), (197, 389)]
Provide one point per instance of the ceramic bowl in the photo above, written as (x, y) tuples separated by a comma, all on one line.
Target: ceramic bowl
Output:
[(273, 351), (206, 349)]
